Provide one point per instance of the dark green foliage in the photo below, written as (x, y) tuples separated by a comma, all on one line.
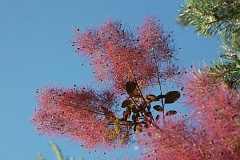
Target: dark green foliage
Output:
[(227, 71), (211, 17), (222, 18)]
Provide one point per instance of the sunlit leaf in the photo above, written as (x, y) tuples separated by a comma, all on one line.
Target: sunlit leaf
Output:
[(158, 108), (136, 93), (125, 136), (117, 126), (112, 134), (151, 97), (127, 103), (172, 96), (171, 112)]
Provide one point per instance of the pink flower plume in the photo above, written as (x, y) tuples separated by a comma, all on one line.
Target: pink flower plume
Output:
[(74, 113), (120, 55), (211, 130), (217, 109)]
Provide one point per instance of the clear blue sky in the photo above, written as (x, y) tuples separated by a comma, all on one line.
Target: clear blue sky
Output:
[(35, 50)]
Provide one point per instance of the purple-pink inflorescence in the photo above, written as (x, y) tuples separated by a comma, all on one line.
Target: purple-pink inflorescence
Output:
[(120, 55), (211, 130), (217, 109), (75, 113)]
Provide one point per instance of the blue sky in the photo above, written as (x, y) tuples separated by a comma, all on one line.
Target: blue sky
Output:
[(35, 50)]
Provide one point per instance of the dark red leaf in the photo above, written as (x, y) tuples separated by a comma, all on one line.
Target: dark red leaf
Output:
[(158, 108), (172, 96), (130, 87), (151, 97), (157, 117), (127, 103), (171, 112)]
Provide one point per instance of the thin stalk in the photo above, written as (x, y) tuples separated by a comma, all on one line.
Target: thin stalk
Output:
[(160, 86)]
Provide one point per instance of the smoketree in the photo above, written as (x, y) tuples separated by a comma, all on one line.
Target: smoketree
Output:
[(127, 63)]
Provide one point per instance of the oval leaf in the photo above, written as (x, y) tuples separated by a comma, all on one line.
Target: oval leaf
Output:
[(172, 96), (130, 87), (124, 139), (160, 97), (151, 97), (158, 108), (127, 103), (136, 93), (171, 112), (112, 134), (132, 90)]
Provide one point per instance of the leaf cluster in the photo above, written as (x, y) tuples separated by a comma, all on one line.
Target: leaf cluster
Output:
[(138, 113)]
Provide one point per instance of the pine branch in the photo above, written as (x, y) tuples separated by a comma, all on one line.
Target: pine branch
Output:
[(57, 151), (40, 156), (227, 70), (213, 17)]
